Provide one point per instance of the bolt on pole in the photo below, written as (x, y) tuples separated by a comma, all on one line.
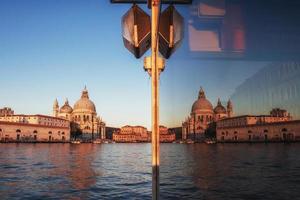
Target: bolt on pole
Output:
[(155, 12)]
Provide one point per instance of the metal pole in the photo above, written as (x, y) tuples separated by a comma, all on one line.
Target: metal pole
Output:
[(155, 11)]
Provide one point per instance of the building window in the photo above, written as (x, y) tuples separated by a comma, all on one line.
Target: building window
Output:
[(35, 132), (284, 130), (50, 132), (18, 131)]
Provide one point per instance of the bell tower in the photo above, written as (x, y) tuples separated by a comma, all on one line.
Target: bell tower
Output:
[(229, 109), (55, 108)]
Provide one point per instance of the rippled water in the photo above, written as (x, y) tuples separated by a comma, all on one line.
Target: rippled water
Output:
[(123, 171)]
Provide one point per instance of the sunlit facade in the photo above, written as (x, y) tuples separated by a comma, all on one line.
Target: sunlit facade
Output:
[(166, 135), (131, 134), (278, 126), (202, 114), (34, 128)]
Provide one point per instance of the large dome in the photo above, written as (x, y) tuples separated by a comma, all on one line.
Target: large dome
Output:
[(84, 104), (202, 104), (66, 108)]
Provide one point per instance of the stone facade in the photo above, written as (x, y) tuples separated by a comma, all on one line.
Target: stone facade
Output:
[(34, 128), (131, 134), (165, 135), (83, 116), (202, 114), (247, 128)]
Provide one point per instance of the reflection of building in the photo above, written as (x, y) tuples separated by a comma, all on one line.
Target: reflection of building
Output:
[(131, 134), (6, 111), (82, 116), (276, 85), (278, 126), (34, 128), (165, 135), (202, 114)]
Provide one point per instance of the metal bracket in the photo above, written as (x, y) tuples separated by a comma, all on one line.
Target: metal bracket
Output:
[(160, 64)]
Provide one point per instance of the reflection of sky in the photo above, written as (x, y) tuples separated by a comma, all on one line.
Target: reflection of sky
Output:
[(53, 48)]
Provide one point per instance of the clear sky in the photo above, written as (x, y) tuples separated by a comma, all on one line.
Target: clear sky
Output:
[(53, 48)]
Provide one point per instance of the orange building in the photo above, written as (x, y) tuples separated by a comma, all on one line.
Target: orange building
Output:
[(278, 126), (131, 134), (34, 128), (165, 135)]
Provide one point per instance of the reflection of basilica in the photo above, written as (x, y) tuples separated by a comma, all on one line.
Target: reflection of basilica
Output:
[(82, 116), (202, 114)]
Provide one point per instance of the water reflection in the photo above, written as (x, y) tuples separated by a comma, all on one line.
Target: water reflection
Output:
[(123, 171)]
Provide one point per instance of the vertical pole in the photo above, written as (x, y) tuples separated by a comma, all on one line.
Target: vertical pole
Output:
[(155, 11)]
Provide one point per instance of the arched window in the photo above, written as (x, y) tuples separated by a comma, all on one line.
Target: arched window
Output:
[(0, 130), (87, 118), (284, 130), (249, 131), (50, 132), (265, 131), (35, 131), (18, 131)]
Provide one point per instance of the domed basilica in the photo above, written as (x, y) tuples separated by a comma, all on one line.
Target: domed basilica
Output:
[(83, 116), (202, 114)]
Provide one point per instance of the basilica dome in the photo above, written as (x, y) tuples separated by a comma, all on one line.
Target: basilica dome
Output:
[(66, 108), (202, 104), (219, 109), (84, 104)]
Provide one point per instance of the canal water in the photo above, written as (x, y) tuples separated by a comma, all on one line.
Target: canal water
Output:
[(123, 171)]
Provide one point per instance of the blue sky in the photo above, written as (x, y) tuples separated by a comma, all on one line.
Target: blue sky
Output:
[(53, 48)]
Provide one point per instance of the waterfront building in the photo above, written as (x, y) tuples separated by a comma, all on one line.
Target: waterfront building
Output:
[(202, 114), (131, 134), (278, 126), (275, 85), (6, 111), (83, 116), (34, 128), (166, 135)]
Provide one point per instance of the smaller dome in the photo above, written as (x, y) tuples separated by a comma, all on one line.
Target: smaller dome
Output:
[(66, 108), (219, 109)]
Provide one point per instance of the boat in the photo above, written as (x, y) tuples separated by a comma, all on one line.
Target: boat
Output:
[(210, 141), (189, 141), (97, 142), (75, 142)]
